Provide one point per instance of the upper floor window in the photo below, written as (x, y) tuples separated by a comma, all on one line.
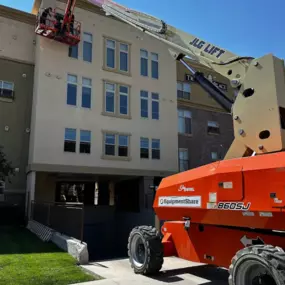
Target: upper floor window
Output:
[(116, 145), (213, 127), (155, 148), (73, 51), (183, 90), (71, 90), (116, 99), (86, 92), (70, 140), (183, 159), (6, 89), (117, 56), (87, 47), (154, 65), (144, 148), (184, 121), (144, 62), (154, 106), (85, 141)]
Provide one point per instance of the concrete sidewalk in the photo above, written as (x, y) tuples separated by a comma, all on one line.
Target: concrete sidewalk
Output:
[(175, 270)]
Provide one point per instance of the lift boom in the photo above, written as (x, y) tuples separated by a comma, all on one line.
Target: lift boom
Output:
[(260, 82)]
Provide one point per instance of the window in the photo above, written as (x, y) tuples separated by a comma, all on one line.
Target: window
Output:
[(6, 89), (154, 65), (87, 47), (213, 127), (116, 100), (73, 51), (144, 62), (144, 148), (110, 54), (124, 54), (117, 56), (144, 104), (183, 159), (183, 90), (70, 140), (123, 145), (85, 141), (124, 98), (155, 106), (86, 92), (71, 90), (116, 145), (184, 121), (155, 148), (214, 156), (110, 143)]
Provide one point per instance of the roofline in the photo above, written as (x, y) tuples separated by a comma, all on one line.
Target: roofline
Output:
[(18, 15), (82, 4)]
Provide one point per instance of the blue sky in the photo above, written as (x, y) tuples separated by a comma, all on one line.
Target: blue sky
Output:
[(245, 27)]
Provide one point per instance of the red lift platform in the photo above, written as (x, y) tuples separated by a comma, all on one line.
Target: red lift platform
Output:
[(59, 25)]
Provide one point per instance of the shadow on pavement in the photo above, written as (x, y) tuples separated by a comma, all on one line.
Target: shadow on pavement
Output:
[(217, 276)]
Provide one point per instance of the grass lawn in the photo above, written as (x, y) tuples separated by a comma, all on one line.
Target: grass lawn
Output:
[(26, 260)]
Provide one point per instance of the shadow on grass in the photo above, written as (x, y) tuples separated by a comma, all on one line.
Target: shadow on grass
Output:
[(216, 276), (19, 240)]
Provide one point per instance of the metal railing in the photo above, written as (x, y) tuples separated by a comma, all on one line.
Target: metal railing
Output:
[(66, 218)]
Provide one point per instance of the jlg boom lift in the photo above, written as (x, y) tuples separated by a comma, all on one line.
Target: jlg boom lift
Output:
[(229, 213)]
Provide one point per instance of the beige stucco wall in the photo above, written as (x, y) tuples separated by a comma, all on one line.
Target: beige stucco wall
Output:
[(16, 37), (51, 114)]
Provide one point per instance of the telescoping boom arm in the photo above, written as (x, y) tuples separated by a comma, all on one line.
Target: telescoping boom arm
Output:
[(259, 109)]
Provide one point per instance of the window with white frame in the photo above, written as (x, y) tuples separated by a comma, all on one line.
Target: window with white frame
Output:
[(85, 141), (86, 92), (155, 106), (155, 148), (144, 147), (184, 121), (154, 65), (70, 140), (144, 62), (183, 90), (71, 90), (153, 102), (213, 127), (117, 56), (116, 144), (183, 159), (6, 89), (87, 47), (116, 99)]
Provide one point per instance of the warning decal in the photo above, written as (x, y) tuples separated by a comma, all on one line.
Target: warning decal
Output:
[(180, 201)]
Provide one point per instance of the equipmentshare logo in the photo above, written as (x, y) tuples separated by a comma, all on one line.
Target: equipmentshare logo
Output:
[(177, 201)]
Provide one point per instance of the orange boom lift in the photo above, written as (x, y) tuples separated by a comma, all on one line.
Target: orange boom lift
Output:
[(229, 213)]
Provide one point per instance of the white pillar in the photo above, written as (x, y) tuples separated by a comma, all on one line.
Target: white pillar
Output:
[(30, 192)]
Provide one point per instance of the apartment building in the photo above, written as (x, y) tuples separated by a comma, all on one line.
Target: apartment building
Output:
[(205, 130)]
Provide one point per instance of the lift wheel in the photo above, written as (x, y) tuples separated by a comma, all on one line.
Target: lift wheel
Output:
[(145, 250), (258, 265)]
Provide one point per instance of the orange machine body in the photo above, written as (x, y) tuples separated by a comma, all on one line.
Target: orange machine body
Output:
[(232, 202)]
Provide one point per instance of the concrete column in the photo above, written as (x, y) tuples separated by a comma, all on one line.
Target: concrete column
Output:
[(30, 192), (111, 193)]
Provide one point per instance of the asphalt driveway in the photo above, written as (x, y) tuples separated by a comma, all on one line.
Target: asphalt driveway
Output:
[(175, 271)]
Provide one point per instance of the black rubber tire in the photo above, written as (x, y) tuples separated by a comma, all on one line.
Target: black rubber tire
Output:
[(270, 257), (153, 250)]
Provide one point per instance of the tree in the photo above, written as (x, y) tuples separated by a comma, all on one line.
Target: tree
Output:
[(6, 168)]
